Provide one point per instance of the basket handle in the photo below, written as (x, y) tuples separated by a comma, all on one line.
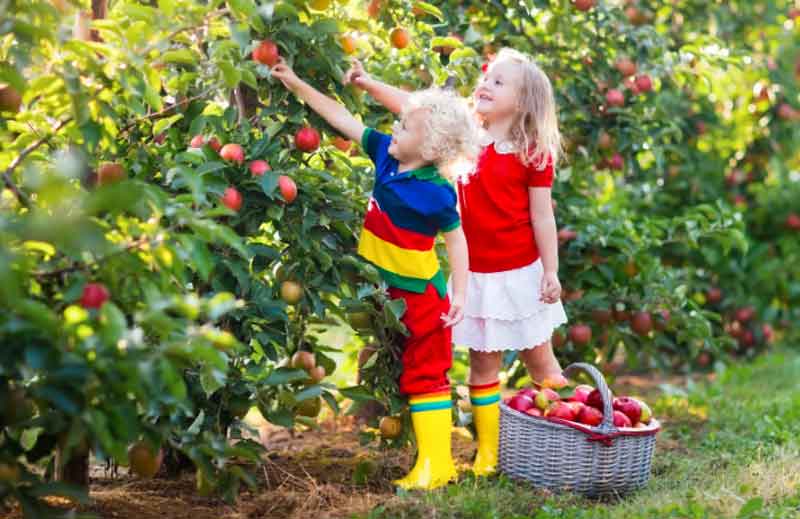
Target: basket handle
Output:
[(607, 425)]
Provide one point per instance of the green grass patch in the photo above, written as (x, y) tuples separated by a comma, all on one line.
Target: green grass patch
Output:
[(729, 448)]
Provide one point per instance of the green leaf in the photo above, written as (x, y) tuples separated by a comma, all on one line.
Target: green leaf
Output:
[(163, 124), (753, 505), (429, 9), (221, 304), (284, 375), (269, 182), (113, 321), (357, 393), (197, 424), (210, 167), (230, 74), (211, 380), (309, 392), (180, 56)]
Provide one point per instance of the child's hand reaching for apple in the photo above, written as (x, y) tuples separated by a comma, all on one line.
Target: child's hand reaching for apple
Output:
[(356, 74), (286, 75)]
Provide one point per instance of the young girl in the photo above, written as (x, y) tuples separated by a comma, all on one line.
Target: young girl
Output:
[(513, 300), (411, 203)]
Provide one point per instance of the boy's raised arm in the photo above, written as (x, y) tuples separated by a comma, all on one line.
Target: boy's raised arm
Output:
[(335, 113), (390, 97)]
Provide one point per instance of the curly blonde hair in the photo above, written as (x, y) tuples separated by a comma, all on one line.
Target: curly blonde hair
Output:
[(451, 133), (534, 131)]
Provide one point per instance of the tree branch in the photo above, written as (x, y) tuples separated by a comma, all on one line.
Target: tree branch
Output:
[(9, 182)]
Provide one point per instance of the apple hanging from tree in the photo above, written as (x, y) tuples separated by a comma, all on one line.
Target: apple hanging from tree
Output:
[(625, 66), (291, 292), (109, 173), (307, 139), (288, 188), (583, 5), (348, 43), (644, 83), (642, 324), (793, 221), (259, 167), (10, 100), (232, 199), (214, 144), (198, 141), (617, 162), (615, 98), (94, 295), (342, 144), (399, 38), (232, 153), (303, 360), (267, 53), (580, 334)]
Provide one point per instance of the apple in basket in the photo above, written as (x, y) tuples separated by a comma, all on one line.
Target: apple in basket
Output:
[(629, 407), (595, 399), (534, 411), (576, 407), (590, 416), (520, 403), (647, 414), (560, 410), (529, 391), (545, 398), (581, 393), (621, 420)]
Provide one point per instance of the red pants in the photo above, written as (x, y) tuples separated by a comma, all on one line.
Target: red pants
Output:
[(428, 351)]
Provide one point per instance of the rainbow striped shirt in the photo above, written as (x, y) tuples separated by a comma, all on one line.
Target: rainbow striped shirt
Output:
[(406, 211)]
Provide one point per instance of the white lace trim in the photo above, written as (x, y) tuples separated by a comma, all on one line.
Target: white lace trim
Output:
[(501, 335), (501, 147)]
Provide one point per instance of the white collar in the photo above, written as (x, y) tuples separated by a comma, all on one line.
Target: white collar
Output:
[(501, 147)]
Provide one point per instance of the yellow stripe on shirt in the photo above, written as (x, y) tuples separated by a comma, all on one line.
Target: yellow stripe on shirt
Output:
[(405, 262)]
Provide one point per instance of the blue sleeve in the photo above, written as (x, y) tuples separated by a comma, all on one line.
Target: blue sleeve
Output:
[(376, 144), (446, 217)]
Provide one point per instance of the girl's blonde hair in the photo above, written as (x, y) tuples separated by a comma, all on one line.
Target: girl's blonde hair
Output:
[(534, 131), (451, 134)]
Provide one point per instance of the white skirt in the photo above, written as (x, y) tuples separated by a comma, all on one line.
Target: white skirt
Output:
[(503, 311)]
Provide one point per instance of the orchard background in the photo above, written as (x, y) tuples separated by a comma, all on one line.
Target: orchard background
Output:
[(155, 285)]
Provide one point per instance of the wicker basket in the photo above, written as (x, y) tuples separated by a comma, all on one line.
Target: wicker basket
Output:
[(565, 456)]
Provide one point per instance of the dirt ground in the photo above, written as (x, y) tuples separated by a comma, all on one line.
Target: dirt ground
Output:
[(305, 474)]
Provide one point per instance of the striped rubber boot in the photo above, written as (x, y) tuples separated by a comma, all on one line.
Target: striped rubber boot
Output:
[(485, 400), (431, 418)]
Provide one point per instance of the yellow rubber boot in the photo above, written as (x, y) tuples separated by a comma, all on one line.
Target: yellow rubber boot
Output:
[(485, 400), (431, 418)]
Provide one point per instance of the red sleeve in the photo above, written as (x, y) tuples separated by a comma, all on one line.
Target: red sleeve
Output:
[(540, 177)]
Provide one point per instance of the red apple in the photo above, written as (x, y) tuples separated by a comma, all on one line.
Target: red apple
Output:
[(615, 97), (621, 420), (793, 221), (744, 314), (786, 111), (644, 83), (617, 162), (198, 141), (521, 403), (590, 416), (629, 407), (565, 235), (534, 411), (560, 410), (214, 144), (580, 334), (307, 139), (232, 199), (583, 5), (558, 339), (625, 66), (288, 188), (233, 153), (642, 324), (595, 399), (605, 141), (576, 408), (767, 332), (601, 316), (94, 295), (267, 53), (529, 392), (581, 393), (714, 295), (259, 167), (342, 144), (662, 319)]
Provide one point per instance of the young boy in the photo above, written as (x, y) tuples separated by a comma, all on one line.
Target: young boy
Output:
[(411, 203)]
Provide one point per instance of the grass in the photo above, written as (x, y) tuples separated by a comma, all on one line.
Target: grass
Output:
[(729, 448)]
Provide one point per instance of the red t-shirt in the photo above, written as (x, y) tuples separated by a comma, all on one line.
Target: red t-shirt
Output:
[(495, 211)]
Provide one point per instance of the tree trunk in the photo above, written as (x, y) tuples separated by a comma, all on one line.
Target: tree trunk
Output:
[(73, 470)]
